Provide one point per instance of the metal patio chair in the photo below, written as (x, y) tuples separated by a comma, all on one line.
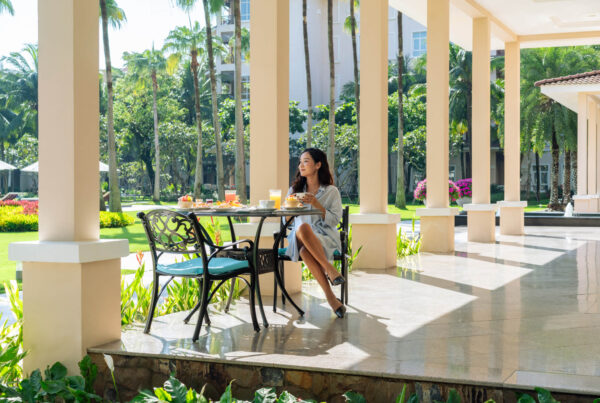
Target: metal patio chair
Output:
[(180, 233)]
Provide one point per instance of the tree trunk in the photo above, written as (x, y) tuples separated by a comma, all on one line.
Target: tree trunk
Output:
[(553, 205), (199, 178), (156, 193), (537, 177), (331, 149), (567, 179), (400, 195), (309, 122), (574, 169), (356, 87), (240, 160), (213, 96), (114, 203), (528, 177)]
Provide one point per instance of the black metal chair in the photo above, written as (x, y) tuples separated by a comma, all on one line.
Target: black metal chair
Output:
[(172, 232), (340, 256)]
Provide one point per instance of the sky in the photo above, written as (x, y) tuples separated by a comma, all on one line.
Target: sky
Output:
[(148, 21)]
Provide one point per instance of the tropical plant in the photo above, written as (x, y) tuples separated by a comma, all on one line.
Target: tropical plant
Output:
[(11, 339), (350, 26), (148, 65), (309, 123), (184, 42), (6, 5), (465, 186), (400, 194), (408, 245), (55, 385), (110, 13), (331, 145), (421, 191)]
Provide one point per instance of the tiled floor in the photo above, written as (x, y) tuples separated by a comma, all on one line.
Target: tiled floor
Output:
[(518, 313)]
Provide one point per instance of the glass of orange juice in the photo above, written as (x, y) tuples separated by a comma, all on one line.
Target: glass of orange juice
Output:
[(275, 194), (230, 195)]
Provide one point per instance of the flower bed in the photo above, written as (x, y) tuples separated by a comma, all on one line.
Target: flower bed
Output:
[(421, 191), (22, 216)]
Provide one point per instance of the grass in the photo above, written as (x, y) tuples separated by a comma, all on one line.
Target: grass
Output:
[(137, 238)]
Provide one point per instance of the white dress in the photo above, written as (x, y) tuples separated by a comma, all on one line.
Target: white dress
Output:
[(324, 229)]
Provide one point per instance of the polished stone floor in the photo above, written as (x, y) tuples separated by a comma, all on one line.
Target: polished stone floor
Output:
[(521, 312)]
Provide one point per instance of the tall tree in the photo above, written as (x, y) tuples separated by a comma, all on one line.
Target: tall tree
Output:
[(309, 123), (6, 5), (110, 13), (400, 195), (331, 148), (147, 66), (211, 7), (184, 42), (240, 160)]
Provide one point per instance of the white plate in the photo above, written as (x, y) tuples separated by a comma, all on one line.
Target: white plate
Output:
[(294, 208)]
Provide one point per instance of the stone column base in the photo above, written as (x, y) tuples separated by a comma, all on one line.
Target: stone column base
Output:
[(72, 299), (437, 229), (586, 203), (376, 234), (481, 222), (512, 217)]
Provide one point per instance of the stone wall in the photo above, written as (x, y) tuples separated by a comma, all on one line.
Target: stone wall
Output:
[(135, 373)]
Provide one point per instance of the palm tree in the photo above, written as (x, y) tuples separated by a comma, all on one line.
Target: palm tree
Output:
[(144, 66), (211, 6), (309, 122), (240, 160), (110, 13), (400, 195), (185, 42), (6, 5), (350, 26), (331, 149)]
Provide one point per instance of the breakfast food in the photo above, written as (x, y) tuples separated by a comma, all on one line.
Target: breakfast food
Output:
[(185, 201), (291, 201)]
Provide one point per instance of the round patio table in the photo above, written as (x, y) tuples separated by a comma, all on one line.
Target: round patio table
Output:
[(262, 214)]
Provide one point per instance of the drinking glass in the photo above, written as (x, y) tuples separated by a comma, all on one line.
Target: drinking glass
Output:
[(275, 194), (230, 195)]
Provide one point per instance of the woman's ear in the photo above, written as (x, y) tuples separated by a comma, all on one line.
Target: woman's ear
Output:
[(318, 165)]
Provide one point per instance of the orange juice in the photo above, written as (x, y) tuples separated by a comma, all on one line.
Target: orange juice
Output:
[(230, 196), (275, 194)]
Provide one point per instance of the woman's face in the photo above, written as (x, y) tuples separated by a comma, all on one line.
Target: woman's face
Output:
[(307, 165)]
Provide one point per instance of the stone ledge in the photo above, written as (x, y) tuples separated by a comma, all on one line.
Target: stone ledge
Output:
[(369, 218), (508, 203), (480, 207), (68, 252), (436, 212)]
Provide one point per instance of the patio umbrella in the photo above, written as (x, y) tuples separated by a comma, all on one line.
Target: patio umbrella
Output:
[(4, 166), (34, 167)]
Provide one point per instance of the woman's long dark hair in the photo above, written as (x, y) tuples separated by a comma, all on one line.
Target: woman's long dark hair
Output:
[(325, 177)]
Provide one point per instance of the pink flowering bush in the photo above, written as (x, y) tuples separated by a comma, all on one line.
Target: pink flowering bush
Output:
[(420, 192), (465, 186)]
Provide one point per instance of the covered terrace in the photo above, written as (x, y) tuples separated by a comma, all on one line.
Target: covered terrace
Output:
[(71, 278)]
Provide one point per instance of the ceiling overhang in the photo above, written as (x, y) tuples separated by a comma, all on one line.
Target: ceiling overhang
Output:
[(568, 94)]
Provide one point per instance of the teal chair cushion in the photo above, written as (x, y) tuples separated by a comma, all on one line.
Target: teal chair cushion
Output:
[(336, 253), (216, 266)]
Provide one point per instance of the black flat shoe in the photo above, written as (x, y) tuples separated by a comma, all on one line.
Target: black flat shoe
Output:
[(340, 312)]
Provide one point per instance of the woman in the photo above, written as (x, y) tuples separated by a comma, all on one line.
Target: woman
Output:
[(314, 238)]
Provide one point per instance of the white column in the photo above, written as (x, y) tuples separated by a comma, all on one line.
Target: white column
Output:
[(511, 208), (437, 220), (481, 217), (582, 203), (71, 280), (592, 154), (373, 228)]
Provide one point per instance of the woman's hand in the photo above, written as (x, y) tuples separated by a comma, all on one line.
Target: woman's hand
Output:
[(310, 198)]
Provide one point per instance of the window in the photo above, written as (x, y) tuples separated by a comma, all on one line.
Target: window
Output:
[(544, 178), (245, 88), (245, 10), (452, 173), (419, 43)]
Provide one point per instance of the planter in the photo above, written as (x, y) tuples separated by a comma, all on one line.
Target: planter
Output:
[(464, 200)]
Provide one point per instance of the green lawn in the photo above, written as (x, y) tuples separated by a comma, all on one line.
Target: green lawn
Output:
[(137, 238)]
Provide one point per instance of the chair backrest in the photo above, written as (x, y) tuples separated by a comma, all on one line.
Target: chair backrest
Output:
[(173, 232), (343, 227)]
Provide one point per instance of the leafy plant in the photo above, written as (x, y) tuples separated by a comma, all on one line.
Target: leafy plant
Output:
[(135, 298), (55, 385), (543, 395), (115, 220), (408, 245), (11, 339)]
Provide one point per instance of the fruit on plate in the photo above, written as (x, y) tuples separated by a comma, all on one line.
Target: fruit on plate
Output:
[(291, 201), (186, 198)]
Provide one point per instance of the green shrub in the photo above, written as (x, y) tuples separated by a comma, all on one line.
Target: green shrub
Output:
[(115, 220), (11, 339)]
